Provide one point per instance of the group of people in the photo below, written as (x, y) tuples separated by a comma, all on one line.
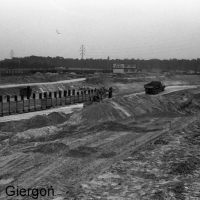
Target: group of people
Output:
[(102, 93)]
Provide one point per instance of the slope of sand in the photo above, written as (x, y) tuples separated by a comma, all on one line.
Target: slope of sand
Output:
[(69, 151)]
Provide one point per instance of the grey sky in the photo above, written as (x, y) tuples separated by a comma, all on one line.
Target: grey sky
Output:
[(121, 29)]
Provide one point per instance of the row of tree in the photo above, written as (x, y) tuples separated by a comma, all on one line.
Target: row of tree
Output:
[(51, 62)]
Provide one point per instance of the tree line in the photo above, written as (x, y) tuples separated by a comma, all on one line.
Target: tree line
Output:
[(36, 62)]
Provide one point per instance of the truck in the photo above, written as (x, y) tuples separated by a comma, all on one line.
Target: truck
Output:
[(154, 87)]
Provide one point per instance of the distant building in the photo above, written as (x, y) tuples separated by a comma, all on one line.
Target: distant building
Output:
[(124, 68)]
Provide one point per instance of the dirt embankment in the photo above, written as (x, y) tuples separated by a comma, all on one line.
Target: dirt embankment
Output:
[(39, 126), (64, 150), (130, 83), (41, 88), (166, 79), (167, 168), (182, 102), (121, 84), (58, 125), (34, 78), (182, 80)]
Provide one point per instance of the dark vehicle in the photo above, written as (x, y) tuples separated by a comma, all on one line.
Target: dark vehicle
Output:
[(154, 87)]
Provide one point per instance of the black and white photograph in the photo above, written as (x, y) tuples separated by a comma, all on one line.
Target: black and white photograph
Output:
[(100, 99)]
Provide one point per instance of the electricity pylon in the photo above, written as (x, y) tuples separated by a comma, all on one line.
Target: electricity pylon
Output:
[(82, 51)]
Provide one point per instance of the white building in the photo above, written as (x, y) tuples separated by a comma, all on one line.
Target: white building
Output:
[(124, 68)]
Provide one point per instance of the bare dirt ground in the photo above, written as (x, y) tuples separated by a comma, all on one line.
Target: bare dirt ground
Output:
[(65, 109), (43, 83), (168, 168), (127, 147), (34, 78)]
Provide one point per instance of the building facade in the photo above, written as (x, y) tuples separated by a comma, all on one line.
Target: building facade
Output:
[(124, 68)]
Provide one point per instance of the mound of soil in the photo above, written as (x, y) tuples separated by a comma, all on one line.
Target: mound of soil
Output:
[(57, 118), (37, 121), (34, 135), (125, 106), (92, 114)]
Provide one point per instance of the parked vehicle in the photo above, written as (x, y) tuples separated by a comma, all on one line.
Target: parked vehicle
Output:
[(154, 87)]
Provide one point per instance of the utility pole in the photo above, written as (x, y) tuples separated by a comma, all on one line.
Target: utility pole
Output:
[(12, 54), (108, 65), (82, 51)]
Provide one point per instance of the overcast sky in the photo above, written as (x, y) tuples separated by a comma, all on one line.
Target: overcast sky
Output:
[(143, 29)]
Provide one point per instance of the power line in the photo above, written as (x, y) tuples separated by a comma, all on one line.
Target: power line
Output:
[(12, 54), (82, 51)]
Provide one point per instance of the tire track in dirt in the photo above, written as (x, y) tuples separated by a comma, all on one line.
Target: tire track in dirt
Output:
[(69, 171), (97, 167), (45, 83), (72, 168)]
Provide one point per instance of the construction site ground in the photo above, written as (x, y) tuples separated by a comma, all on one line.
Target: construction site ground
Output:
[(128, 147)]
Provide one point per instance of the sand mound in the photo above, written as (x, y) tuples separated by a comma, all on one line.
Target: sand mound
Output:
[(57, 118), (37, 121), (182, 102), (38, 134), (91, 114)]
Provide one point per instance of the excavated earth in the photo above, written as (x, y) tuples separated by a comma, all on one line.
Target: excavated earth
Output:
[(121, 84), (34, 78), (167, 168), (127, 147)]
